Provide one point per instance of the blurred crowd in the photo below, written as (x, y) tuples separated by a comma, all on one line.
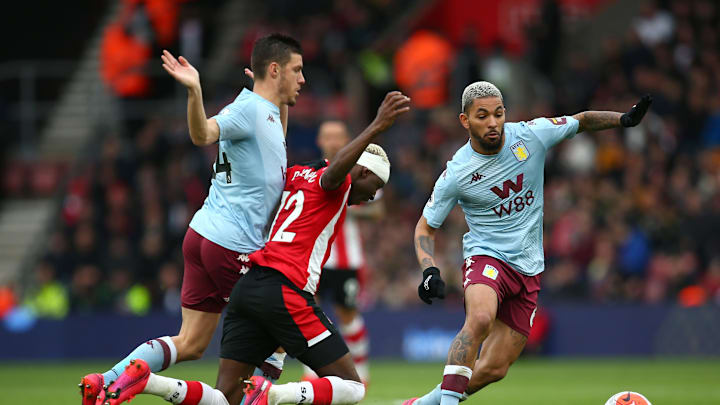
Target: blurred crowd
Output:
[(630, 215)]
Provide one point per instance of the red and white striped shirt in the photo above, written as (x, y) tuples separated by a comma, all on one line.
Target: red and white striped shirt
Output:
[(346, 252), (304, 228)]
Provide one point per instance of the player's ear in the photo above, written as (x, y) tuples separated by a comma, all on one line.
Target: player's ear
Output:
[(464, 120), (274, 69)]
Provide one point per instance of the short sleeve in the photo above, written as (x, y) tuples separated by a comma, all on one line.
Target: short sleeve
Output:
[(443, 199), (550, 131), (235, 122)]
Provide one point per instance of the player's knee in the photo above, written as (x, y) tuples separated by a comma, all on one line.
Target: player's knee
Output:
[(479, 323)]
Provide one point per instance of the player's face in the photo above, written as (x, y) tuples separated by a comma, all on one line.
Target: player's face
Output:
[(332, 136), (484, 120), (292, 79), (364, 186)]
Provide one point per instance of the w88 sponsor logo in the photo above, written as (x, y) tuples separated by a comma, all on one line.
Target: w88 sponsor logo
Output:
[(516, 204)]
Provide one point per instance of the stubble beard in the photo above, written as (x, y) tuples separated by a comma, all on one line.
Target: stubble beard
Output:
[(489, 146)]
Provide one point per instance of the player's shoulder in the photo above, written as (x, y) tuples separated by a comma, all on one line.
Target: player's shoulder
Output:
[(520, 127), (459, 162), (306, 173), (463, 155), (522, 130), (245, 102)]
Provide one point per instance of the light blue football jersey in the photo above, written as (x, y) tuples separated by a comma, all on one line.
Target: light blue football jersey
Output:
[(502, 194), (249, 175)]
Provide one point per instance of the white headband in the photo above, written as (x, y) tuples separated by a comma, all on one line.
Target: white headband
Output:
[(375, 164)]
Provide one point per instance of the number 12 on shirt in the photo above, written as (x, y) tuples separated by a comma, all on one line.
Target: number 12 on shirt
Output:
[(285, 203)]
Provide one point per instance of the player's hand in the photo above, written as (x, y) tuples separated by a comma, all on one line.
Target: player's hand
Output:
[(249, 73), (637, 112), (431, 286), (181, 70), (394, 105)]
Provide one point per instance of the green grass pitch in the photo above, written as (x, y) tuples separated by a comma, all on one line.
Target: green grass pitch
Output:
[(532, 381)]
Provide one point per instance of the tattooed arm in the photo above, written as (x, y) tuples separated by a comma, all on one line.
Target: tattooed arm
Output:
[(425, 244), (597, 120)]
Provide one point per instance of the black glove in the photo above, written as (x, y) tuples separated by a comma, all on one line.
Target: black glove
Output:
[(637, 112), (431, 286)]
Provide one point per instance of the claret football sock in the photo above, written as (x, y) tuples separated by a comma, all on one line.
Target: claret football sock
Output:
[(159, 354), (272, 367), (455, 382)]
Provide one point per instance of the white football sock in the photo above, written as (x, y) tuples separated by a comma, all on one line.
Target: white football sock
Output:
[(291, 393), (346, 391), (175, 391), (170, 389), (333, 391)]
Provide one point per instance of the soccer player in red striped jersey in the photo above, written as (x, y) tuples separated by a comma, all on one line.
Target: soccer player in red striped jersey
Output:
[(344, 269), (274, 305)]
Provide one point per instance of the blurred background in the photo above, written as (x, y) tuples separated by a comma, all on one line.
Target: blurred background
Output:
[(100, 179)]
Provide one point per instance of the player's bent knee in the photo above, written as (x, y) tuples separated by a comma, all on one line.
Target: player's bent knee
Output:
[(479, 323), (346, 391)]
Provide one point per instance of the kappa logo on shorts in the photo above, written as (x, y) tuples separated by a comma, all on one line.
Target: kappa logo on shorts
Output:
[(467, 277), (532, 317), (490, 272), (468, 262)]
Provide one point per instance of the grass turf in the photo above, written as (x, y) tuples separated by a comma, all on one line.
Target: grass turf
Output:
[(533, 381)]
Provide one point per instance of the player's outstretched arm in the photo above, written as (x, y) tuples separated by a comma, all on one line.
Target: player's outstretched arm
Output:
[(203, 131), (600, 120), (431, 286), (394, 104)]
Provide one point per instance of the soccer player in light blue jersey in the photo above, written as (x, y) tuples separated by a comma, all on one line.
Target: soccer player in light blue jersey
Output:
[(244, 192), (497, 179)]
